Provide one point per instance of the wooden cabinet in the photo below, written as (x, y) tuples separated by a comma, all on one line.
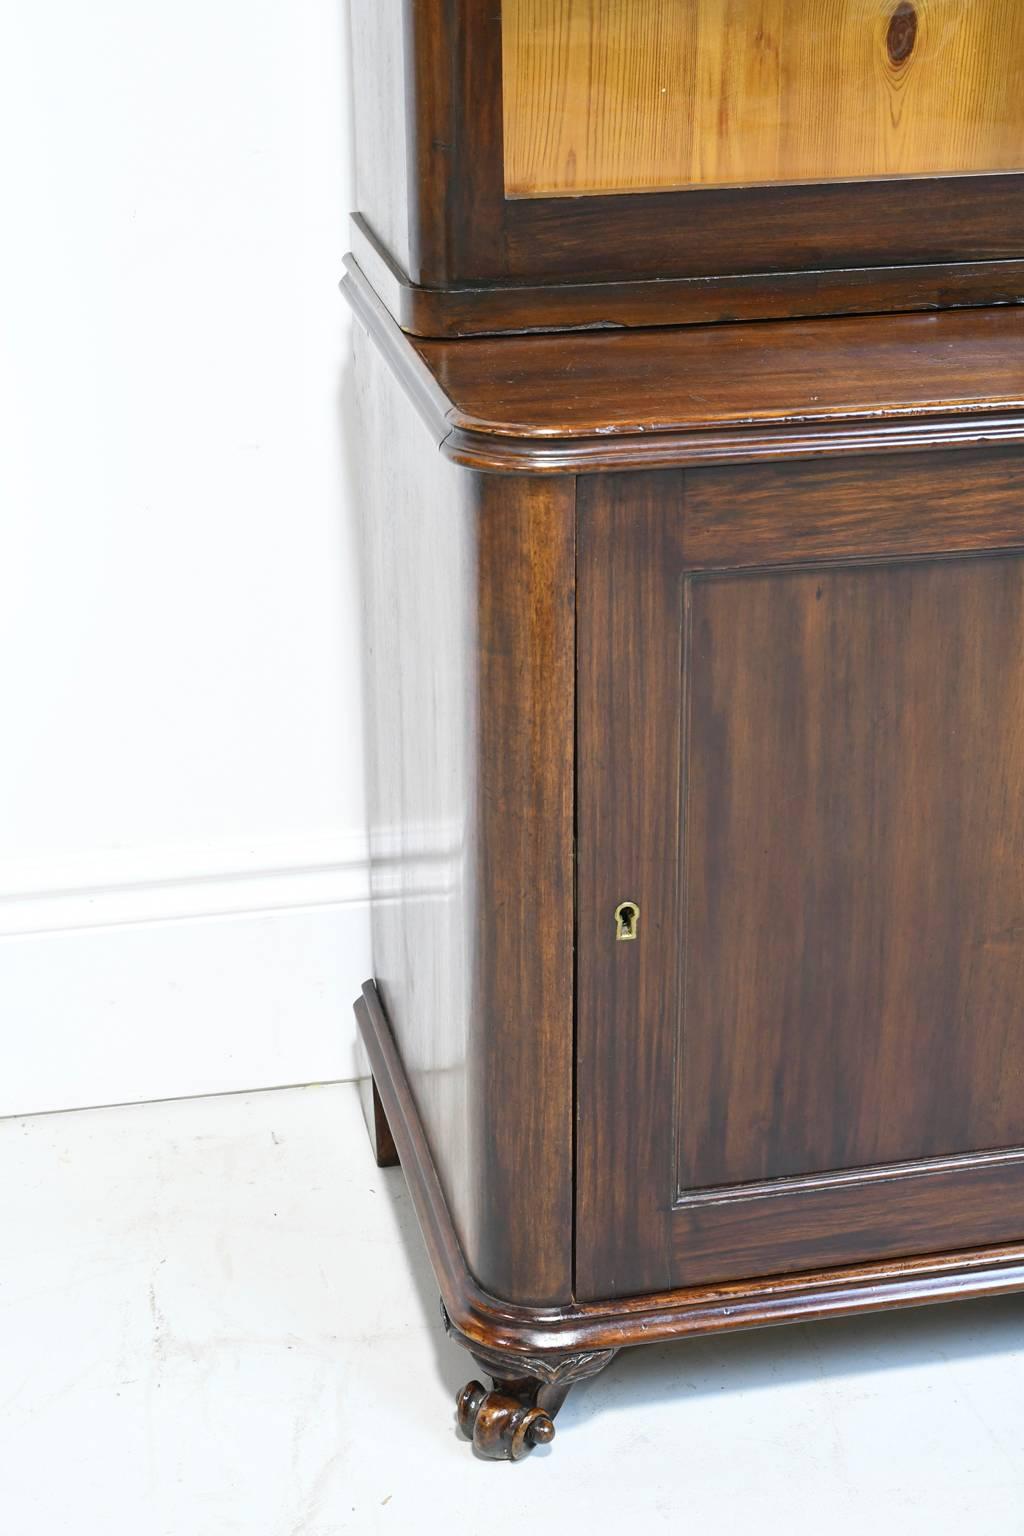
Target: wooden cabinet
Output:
[(695, 675), (530, 164)]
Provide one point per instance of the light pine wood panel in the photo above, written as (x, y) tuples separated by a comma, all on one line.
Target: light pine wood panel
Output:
[(621, 95)]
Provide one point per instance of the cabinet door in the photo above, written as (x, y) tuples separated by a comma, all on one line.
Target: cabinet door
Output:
[(801, 766)]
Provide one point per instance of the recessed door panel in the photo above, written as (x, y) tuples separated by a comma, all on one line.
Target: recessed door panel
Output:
[(853, 884), (808, 781)]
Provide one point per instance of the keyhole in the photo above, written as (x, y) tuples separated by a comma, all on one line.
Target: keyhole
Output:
[(627, 917)]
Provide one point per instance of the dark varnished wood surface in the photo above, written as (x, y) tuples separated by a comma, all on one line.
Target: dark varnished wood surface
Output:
[(469, 663), (650, 399), (547, 1341), (630, 663), (821, 831), (857, 368), (483, 309), (755, 515), (854, 868), (680, 752), (522, 921)]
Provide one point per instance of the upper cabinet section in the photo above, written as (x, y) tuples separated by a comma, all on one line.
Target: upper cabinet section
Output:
[(657, 95), (558, 164)]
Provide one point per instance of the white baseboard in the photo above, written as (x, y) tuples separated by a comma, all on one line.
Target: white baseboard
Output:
[(152, 884), (160, 975)]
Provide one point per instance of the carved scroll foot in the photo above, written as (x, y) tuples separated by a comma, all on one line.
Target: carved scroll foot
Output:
[(501, 1426), (519, 1412)]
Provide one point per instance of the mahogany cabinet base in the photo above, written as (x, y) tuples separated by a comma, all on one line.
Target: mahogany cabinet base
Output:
[(535, 1354)]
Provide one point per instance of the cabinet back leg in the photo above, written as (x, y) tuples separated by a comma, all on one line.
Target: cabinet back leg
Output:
[(381, 1140)]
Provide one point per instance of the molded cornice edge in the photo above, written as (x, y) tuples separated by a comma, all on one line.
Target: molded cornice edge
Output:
[(475, 445)]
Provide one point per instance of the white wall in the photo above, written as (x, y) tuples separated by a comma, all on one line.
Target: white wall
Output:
[(182, 860)]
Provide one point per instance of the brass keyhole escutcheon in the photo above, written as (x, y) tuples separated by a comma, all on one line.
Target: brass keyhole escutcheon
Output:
[(627, 919)]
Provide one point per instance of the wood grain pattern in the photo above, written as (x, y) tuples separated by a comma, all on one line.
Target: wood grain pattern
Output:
[(476, 310), (522, 917), (541, 1341), (740, 375), (469, 651), (601, 96), (775, 514), (809, 227), (854, 909), (828, 390), (807, 780), (629, 671)]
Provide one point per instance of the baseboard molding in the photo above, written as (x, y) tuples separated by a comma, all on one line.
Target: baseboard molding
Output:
[(162, 884), (153, 976), (132, 1012)]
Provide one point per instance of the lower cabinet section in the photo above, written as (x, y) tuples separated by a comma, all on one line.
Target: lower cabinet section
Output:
[(697, 811)]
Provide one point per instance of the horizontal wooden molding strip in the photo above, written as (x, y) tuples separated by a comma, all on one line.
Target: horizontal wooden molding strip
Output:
[(738, 445), (738, 517), (476, 445), (489, 309)]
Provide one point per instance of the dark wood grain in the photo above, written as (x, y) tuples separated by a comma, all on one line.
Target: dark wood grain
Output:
[(430, 88), (887, 1215), (820, 826), (535, 405), (854, 876), (629, 672), (733, 230), (725, 621), (508, 308), (786, 513), (382, 1143), (468, 585), (523, 914), (541, 1341), (852, 369)]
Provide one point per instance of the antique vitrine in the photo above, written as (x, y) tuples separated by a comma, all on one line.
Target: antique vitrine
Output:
[(691, 395)]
